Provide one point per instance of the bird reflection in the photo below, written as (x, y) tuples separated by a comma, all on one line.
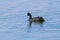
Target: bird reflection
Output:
[(30, 25)]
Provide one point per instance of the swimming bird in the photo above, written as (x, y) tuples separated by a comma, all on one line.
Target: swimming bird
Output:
[(35, 19)]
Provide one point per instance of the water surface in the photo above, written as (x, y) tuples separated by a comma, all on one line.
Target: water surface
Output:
[(14, 23)]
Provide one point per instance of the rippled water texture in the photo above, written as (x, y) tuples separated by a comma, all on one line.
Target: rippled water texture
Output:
[(14, 24)]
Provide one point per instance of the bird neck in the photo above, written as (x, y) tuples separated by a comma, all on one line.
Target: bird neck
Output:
[(30, 17)]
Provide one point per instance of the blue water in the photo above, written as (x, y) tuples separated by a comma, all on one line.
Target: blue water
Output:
[(14, 20)]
